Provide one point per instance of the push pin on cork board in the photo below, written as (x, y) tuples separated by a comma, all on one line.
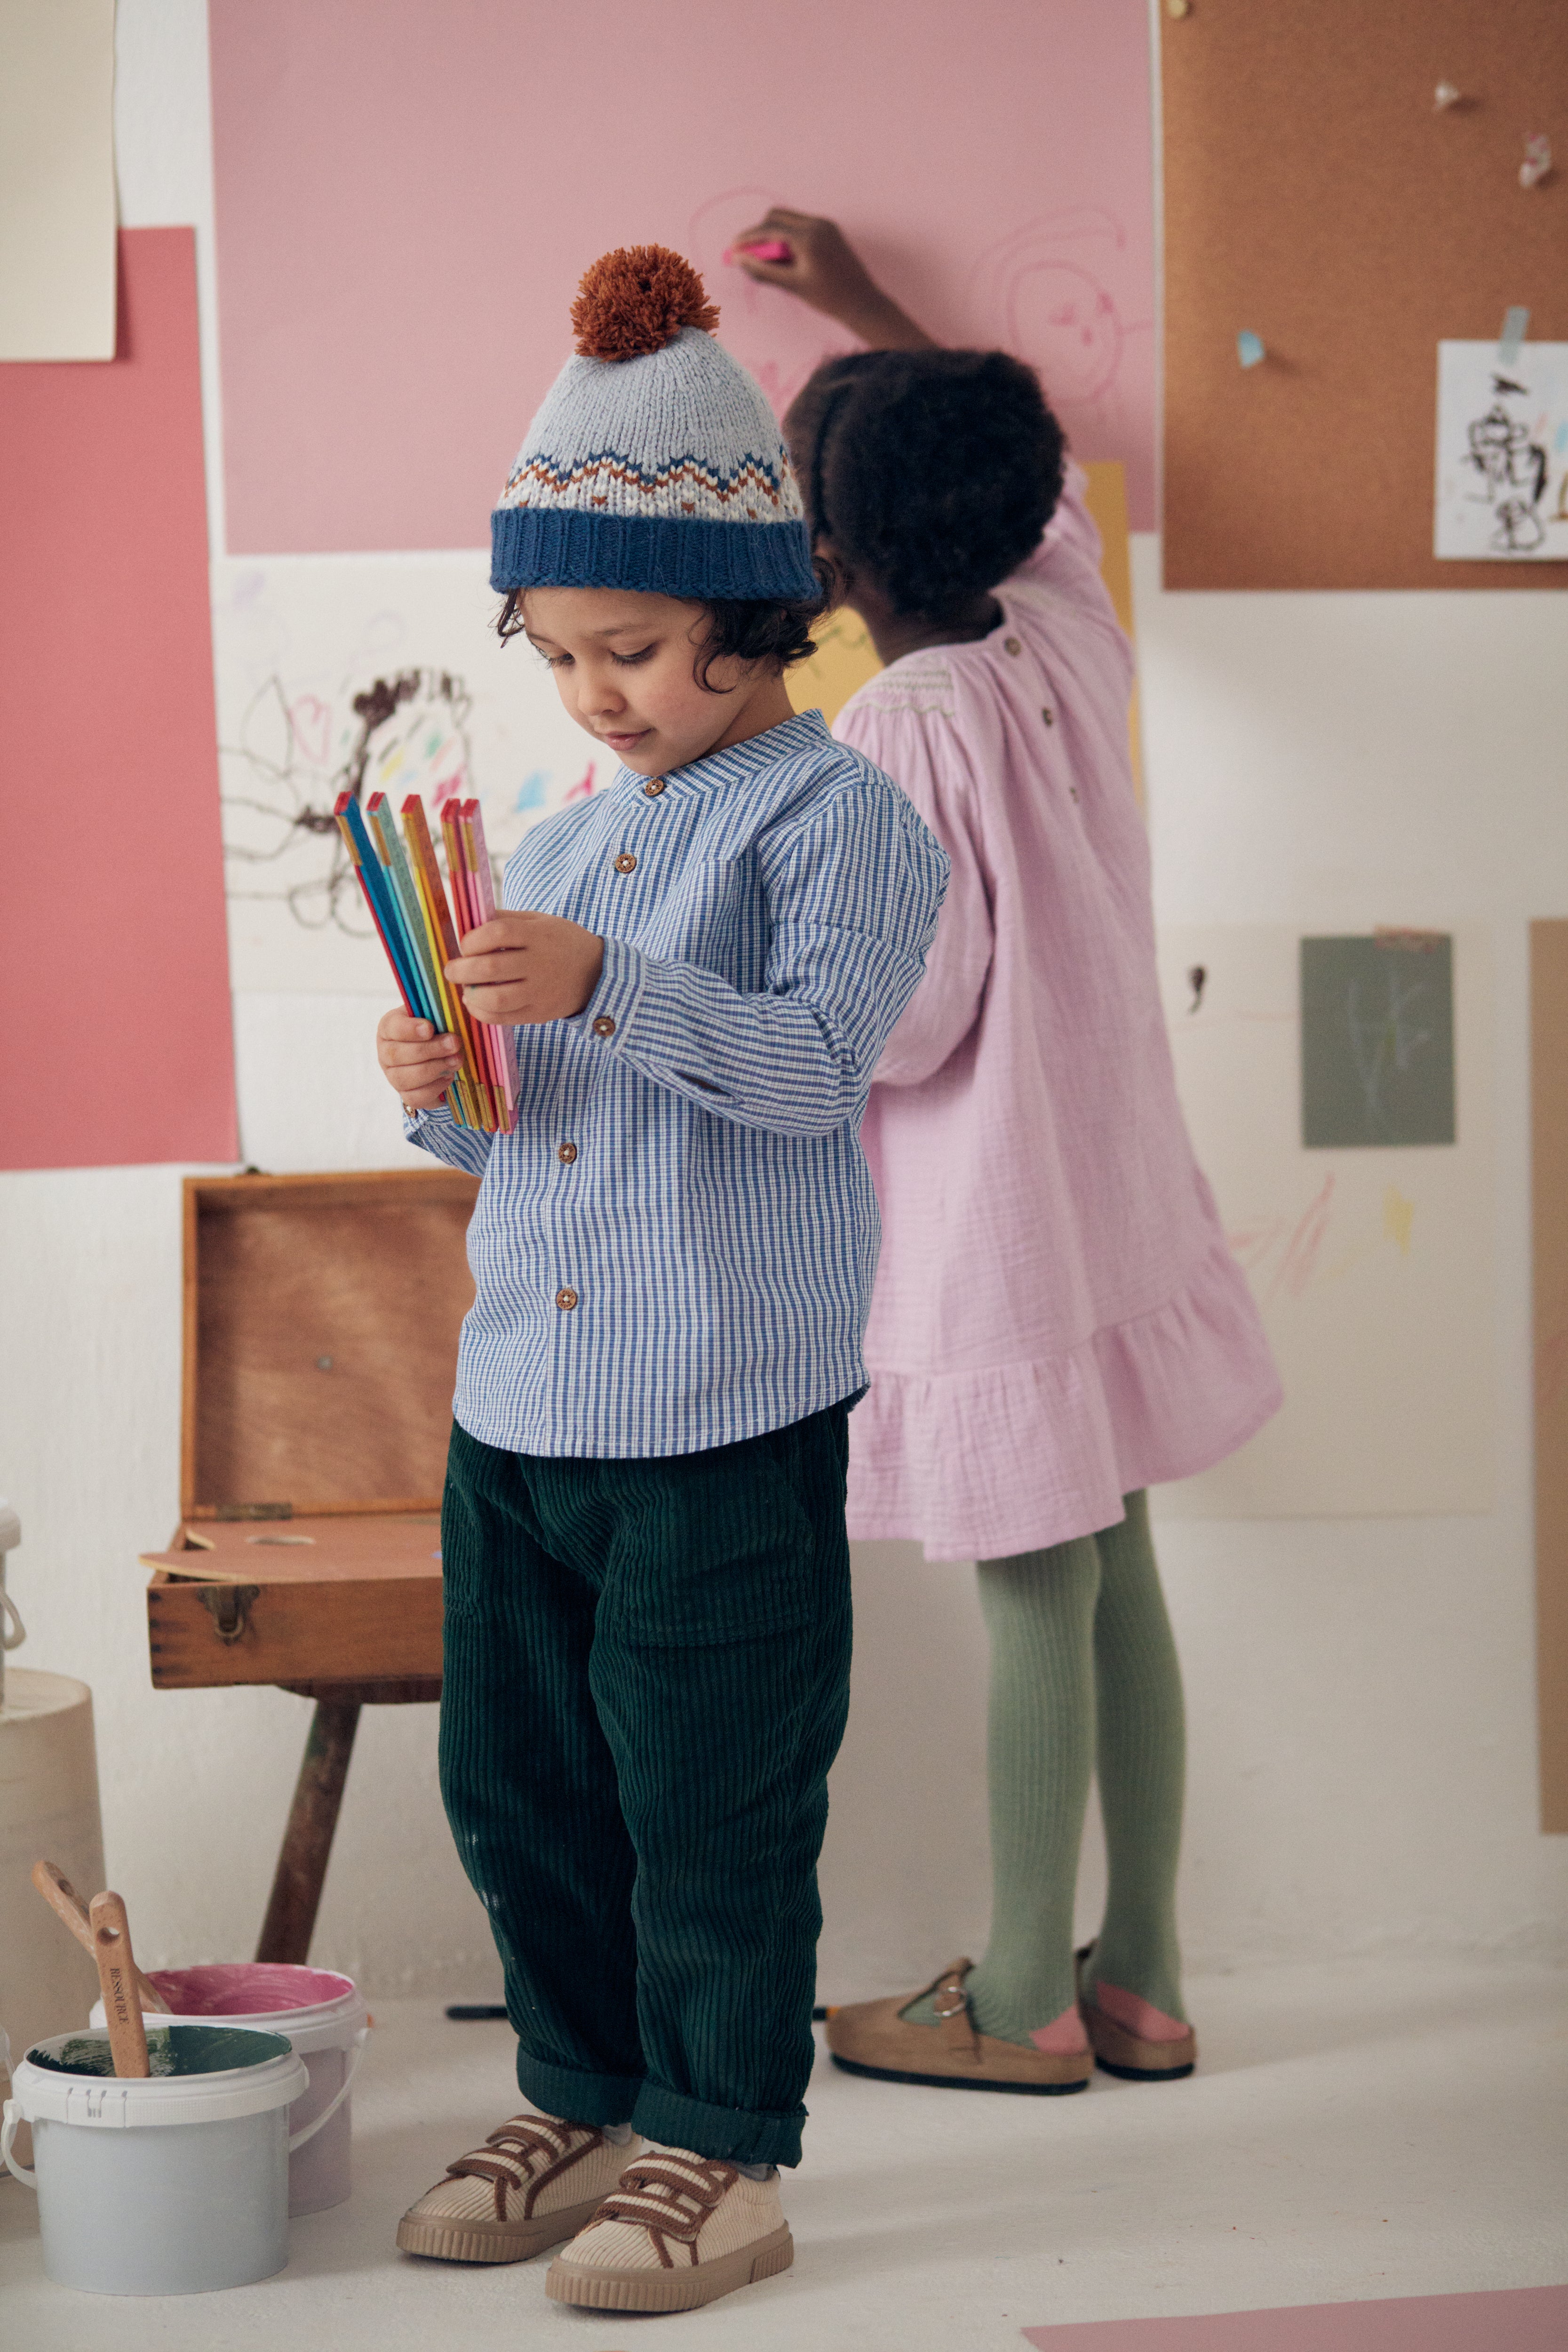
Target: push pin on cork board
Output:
[(1250, 348), (1537, 164)]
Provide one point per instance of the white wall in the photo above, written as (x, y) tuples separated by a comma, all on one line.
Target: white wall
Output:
[(1361, 1692)]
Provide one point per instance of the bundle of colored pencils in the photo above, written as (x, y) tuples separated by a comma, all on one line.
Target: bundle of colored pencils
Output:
[(403, 890)]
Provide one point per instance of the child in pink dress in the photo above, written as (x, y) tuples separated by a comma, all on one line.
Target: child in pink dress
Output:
[(1057, 1322)]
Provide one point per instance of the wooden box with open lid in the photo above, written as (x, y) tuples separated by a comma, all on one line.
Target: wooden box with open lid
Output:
[(321, 1342)]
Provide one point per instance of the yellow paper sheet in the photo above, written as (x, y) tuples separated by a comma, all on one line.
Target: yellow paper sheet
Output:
[(57, 179)]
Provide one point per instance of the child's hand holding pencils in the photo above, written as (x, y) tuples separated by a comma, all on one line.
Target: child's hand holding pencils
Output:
[(419, 1061), (520, 968)]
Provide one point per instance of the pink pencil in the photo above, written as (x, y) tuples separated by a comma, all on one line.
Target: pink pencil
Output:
[(466, 902), (482, 888)]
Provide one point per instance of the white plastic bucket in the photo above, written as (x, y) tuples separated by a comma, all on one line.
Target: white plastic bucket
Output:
[(171, 2184), (324, 2017)]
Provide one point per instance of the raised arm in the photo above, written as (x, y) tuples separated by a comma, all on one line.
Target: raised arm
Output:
[(825, 272)]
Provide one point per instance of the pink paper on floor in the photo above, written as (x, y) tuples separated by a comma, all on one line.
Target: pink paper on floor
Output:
[(407, 197), (117, 1040), (1511, 2320)]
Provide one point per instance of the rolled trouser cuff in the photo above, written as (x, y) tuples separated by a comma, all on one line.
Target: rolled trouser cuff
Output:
[(730, 2135), (576, 2097)]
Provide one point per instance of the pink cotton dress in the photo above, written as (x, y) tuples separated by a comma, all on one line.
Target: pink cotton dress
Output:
[(1057, 1319)]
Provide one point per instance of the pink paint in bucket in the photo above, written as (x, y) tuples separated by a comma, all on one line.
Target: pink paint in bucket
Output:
[(326, 2020)]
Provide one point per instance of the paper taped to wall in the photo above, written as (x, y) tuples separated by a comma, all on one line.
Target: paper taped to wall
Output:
[(1502, 453), (1371, 1264)]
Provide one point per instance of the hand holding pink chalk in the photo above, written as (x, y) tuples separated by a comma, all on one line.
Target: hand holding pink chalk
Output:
[(812, 258), (770, 248)]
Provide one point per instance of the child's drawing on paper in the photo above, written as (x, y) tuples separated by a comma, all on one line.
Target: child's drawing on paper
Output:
[(1370, 1264), (1503, 452), (366, 675), (401, 734)]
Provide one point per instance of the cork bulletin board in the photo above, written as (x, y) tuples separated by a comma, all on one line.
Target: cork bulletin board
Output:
[(1317, 197)]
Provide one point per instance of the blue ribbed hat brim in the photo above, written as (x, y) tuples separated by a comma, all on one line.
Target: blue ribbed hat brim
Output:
[(656, 554)]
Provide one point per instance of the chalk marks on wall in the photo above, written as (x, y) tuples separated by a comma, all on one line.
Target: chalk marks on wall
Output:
[(1370, 1259), (1057, 292), (366, 674), (1377, 1040), (1503, 452)]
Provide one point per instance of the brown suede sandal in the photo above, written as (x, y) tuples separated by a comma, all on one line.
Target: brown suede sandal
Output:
[(1117, 2052), (869, 2037)]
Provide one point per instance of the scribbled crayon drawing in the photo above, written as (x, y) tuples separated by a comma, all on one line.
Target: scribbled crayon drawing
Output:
[(399, 734), (1286, 1254), (1519, 530), (583, 789)]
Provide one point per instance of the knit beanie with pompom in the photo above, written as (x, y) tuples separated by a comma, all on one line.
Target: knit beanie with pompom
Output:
[(655, 462)]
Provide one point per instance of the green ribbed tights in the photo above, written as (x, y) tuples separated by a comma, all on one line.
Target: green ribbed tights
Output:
[(1084, 1675)]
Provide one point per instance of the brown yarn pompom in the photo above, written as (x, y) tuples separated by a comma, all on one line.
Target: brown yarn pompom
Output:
[(636, 301)]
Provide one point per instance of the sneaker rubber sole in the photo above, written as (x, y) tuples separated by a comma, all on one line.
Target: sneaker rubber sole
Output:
[(480, 2240), (675, 2290), (960, 2082)]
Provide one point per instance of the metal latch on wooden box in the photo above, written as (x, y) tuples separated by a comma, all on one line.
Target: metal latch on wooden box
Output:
[(229, 1608)]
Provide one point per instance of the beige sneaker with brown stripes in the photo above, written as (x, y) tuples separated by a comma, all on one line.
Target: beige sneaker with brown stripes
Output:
[(676, 2231), (533, 2182)]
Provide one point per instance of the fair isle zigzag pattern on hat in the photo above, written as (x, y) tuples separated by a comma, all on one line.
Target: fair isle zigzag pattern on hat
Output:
[(655, 462)]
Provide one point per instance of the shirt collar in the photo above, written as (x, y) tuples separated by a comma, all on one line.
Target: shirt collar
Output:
[(805, 731)]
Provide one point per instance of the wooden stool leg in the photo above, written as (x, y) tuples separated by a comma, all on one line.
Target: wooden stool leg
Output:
[(308, 1840)]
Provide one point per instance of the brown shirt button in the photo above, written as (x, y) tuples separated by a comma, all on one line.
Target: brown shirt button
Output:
[(654, 787), (1013, 647), (604, 1026), (1049, 716), (566, 1298), (625, 863), (567, 1152)]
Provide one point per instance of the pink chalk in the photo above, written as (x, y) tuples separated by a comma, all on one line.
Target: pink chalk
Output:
[(772, 248)]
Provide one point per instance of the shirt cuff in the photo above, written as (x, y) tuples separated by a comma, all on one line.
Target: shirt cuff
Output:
[(605, 1022)]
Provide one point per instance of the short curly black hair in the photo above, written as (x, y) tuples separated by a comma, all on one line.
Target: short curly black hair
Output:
[(757, 629), (933, 472)]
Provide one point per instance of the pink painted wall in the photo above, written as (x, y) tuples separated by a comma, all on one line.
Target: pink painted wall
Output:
[(408, 191), (116, 1044)]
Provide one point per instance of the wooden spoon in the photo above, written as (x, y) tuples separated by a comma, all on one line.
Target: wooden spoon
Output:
[(61, 1896), (117, 1982)]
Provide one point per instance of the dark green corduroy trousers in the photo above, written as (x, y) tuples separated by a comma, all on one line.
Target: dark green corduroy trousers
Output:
[(646, 1678)]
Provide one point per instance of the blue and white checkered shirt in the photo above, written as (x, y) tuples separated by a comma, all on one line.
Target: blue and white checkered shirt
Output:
[(675, 1248)]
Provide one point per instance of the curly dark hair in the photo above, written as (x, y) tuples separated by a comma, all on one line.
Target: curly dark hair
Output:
[(756, 629), (934, 472)]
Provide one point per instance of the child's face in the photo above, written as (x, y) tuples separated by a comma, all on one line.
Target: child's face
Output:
[(625, 667)]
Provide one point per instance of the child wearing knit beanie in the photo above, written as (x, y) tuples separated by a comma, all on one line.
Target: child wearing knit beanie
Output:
[(646, 1569)]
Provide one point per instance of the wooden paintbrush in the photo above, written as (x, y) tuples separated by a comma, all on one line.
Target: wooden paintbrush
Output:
[(117, 1982), (62, 1897)]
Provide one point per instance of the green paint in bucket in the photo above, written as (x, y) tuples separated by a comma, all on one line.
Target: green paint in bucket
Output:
[(171, 2049)]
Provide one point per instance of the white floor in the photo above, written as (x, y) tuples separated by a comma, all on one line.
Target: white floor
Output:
[(1355, 2131)]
